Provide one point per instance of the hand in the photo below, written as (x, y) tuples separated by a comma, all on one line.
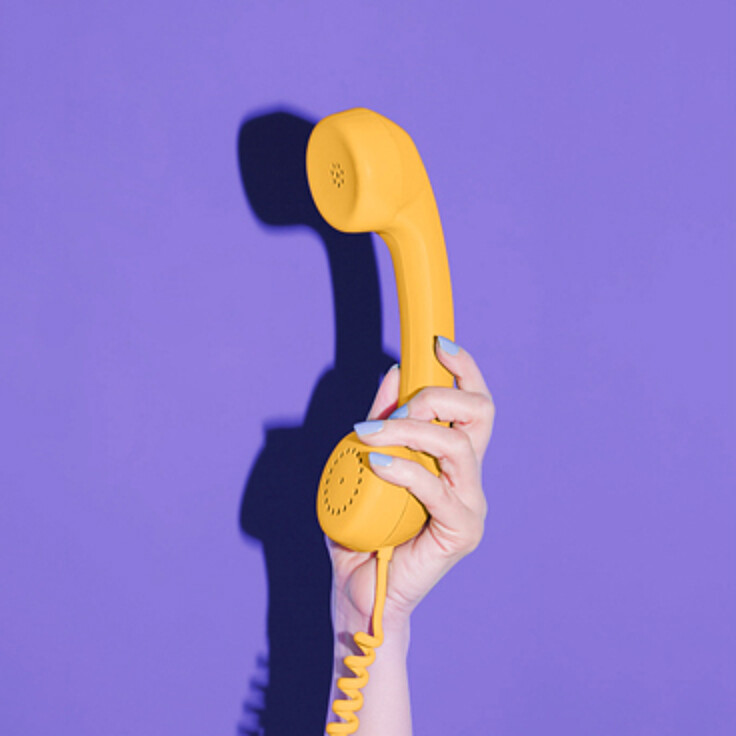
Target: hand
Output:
[(454, 500)]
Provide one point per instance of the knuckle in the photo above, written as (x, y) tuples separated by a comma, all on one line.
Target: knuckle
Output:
[(487, 408), (424, 400), (460, 444), (475, 535)]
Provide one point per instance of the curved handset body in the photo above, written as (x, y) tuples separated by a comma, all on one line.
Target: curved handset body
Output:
[(365, 174)]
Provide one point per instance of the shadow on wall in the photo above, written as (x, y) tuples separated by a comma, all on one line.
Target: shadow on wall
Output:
[(289, 691)]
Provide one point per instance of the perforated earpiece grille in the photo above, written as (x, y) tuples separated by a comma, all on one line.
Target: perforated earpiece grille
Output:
[(337, 173)]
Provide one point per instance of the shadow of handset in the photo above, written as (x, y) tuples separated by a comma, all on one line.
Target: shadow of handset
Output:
[(277, 507)]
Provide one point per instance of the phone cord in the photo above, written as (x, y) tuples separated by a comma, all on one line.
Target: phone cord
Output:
[(351, 686)]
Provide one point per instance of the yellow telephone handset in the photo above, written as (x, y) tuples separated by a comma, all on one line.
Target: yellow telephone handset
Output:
[(365, 174)]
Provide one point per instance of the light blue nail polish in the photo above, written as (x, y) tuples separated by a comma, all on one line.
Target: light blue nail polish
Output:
[(401, 413), (379, 459), (448, 346), (364, 428)]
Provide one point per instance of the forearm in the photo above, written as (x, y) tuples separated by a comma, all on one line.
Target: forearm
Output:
[(386, 710)]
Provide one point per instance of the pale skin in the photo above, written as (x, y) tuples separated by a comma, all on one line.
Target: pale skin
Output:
[(457, 507)]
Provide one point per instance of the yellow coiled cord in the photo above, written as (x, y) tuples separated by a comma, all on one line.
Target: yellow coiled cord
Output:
[(351, 686)]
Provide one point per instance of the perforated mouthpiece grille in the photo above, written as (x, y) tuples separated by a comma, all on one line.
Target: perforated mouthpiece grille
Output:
[(342, 480)]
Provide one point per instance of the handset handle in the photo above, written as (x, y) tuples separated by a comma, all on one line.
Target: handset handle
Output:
[(425, 295)]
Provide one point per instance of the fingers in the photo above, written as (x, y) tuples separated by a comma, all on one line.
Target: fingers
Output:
[(449, 446), (387, 395), (471, 412), (470, 407), (460, 524), (426, 486)]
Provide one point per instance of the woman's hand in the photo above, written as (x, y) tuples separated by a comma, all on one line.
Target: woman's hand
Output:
[(454, 500)]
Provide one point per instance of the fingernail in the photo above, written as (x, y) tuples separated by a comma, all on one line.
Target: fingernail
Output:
[(448, 346), (401, 413), (364, 428), (379, 459)]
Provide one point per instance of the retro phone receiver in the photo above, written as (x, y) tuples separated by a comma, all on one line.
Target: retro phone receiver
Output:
[(365, 174)]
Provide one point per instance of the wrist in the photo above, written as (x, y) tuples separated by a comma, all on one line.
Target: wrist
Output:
[(347, 621)]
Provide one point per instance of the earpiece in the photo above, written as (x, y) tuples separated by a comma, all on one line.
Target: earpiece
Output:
[(363, 170), (365, 174)]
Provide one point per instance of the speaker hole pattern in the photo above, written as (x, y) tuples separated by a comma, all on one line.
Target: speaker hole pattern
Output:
[(337, 481), (338, 175)]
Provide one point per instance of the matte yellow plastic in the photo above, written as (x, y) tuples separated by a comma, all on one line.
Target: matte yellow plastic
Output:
[(366, 174), (358, 509)]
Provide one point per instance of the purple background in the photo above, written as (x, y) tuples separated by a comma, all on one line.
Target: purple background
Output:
[(153, 325)]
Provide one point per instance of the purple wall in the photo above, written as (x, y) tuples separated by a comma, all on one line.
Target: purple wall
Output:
[(168, 341)]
